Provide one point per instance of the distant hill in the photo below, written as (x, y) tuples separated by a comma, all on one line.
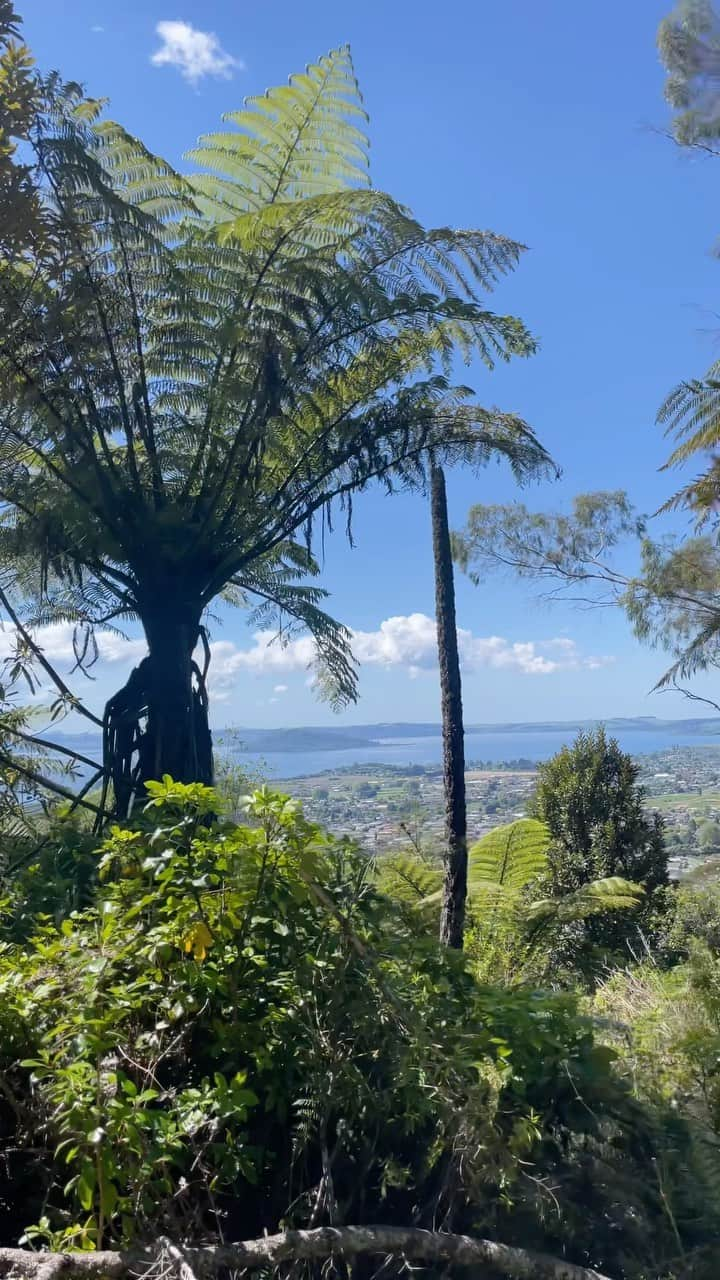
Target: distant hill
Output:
[(651, 724), (342, 738), (351, 737), (346, 737), (268, 740)]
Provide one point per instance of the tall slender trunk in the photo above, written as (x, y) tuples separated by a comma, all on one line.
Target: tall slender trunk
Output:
[(455, 885), (157, 723)]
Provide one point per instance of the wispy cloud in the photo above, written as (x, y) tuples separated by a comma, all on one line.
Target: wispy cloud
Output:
[(194, 53)]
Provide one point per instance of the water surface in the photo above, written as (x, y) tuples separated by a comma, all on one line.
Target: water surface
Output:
[(485, 746)]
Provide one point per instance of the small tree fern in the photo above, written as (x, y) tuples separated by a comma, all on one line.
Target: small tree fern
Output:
[(512, 926), (508, 859), (509, 924)]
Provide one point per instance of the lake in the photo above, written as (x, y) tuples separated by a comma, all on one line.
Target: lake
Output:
[(531, 745)]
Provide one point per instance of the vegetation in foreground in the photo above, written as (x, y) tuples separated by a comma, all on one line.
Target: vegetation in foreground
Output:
[(243, 1028)]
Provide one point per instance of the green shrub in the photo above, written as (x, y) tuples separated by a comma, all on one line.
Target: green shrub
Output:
[(589, 798), (53, 873), (665, 1027), (695, 917)]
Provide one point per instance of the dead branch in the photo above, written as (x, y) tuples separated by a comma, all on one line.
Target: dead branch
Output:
[(47, 784), (409, 1243), (693, 697), (178, 1256), (46, 745)]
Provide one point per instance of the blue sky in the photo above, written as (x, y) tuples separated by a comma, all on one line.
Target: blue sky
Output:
[(543, 122)]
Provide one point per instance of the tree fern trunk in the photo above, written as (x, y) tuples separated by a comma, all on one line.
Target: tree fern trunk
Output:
[(455, 887), (177, 724), (158, 722)]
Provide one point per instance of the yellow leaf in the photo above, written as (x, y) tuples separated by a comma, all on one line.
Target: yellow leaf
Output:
[(198, 939)]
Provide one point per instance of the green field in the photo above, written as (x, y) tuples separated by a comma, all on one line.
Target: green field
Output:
[(686, 800)]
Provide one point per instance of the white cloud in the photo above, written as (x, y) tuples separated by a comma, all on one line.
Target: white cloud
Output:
[(114, 648), (56, 642), (410, 641), (266, 656), (194, 53), (407, 642)]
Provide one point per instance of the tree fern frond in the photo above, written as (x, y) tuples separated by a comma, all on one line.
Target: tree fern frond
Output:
[(610, 894), (691, 414), (409, 878), (510, 857), (297, 140)]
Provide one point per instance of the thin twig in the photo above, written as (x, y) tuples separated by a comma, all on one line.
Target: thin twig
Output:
[(52, 746), (47, 666)]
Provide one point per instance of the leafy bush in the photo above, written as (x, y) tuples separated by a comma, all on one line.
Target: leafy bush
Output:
[(665, 1027), (53, 873), (695, 917), (241, 1032)]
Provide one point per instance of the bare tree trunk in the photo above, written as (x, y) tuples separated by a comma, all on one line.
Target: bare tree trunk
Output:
[(407, 1244), (455, 887)]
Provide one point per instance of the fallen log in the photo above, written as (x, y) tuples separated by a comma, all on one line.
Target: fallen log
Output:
[(319, 1244)]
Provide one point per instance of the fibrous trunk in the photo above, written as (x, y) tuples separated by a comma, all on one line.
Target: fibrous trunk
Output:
[(157, 723), (455, 883)]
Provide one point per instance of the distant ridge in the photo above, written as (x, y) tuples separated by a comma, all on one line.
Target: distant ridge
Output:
[(345, 738), (352, 737)]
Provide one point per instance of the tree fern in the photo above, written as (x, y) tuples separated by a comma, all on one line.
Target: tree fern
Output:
[(302, 139), (509, 924), (199, 373), (611, 894)]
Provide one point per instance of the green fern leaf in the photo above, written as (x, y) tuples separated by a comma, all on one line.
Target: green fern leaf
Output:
[(302, 139), (409, 878), (509, 857)]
